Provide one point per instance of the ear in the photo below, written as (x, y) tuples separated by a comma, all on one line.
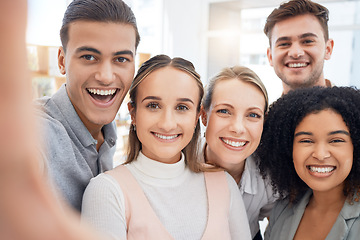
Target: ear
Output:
[(203, 116), (61, 61), (132, 112), (269, 55), (329, 48)]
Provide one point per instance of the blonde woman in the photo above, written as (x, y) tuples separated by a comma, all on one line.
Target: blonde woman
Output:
[(233, 112)]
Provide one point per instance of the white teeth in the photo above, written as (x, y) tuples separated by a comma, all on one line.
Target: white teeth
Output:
[(321, 169), (102, 92), (166, 137), (233, 143), (297, 65)]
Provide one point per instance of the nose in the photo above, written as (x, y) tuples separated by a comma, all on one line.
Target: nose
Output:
[(321, 152), (296, 51), (167, 121), (237, 125), (105, 73)]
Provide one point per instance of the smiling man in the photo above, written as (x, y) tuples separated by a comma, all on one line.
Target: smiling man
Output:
[(99, 40), (299, 43)]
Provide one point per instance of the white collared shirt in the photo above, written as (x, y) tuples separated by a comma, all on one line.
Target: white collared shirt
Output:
[(257, 194)]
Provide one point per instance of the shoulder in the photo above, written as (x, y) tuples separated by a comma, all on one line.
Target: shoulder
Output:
[(102, 188), (351, 214), (46, 112), (103, 181)]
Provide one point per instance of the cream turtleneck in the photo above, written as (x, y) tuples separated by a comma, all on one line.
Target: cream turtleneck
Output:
[(176, 194)]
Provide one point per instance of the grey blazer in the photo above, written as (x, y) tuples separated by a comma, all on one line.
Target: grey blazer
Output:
[(285, 219)]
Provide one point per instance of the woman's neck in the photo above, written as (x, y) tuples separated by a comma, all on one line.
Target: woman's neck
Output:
[(234, 169), (326, 201)]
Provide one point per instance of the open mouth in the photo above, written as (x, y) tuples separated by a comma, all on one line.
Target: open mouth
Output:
[(166, 137), (297, 65), (321, 169), (102, 95), (233, 143)]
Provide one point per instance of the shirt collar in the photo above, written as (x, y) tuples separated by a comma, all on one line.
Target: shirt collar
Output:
[(249, 180)]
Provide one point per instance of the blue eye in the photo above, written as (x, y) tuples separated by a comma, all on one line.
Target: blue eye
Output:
[(223, 111), (254, 115)]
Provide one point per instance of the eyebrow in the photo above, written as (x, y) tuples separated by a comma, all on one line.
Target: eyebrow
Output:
[(87, 49), (309, 34), (340, 132), (303, 133), (158, 98), (224, 104), (151, 98), (331, 133), (305, 35), (94, 50)]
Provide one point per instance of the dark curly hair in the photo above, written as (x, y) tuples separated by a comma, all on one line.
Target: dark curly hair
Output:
[(276, 146)]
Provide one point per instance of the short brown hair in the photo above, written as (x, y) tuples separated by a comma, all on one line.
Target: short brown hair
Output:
[(97, 11), (295, 8)]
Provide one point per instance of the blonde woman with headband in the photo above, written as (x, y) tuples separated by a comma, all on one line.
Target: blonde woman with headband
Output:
[(233, 112), (161, 191)]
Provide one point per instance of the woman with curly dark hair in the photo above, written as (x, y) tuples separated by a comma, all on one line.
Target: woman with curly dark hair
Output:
[(310, 149)]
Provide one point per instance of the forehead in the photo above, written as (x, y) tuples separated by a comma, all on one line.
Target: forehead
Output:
[(234, 85), (296, 26), (235, 89), (116, 36), (169, 81), (324, 121)]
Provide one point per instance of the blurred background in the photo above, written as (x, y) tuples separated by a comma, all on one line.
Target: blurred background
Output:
[(211, 33)]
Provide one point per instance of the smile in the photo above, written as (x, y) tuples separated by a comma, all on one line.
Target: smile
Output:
[(101, 92), (321, 169), (297, 65), (164, 137), (233, 143), (101, 95)]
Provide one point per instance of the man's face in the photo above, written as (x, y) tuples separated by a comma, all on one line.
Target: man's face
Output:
[(298, 50), (99, 67)]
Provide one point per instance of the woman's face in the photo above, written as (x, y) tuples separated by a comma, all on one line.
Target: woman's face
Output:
[(234, 122), (323, 150), (166, 113)]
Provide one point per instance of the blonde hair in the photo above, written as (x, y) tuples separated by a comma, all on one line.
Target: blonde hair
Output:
[(191, 151), (239, 72)]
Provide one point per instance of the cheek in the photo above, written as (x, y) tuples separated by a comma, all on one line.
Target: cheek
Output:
[(347, 166), (255, 131), (126, 75), (189, 123), (298, 165), (213, 129), (299, 157)]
